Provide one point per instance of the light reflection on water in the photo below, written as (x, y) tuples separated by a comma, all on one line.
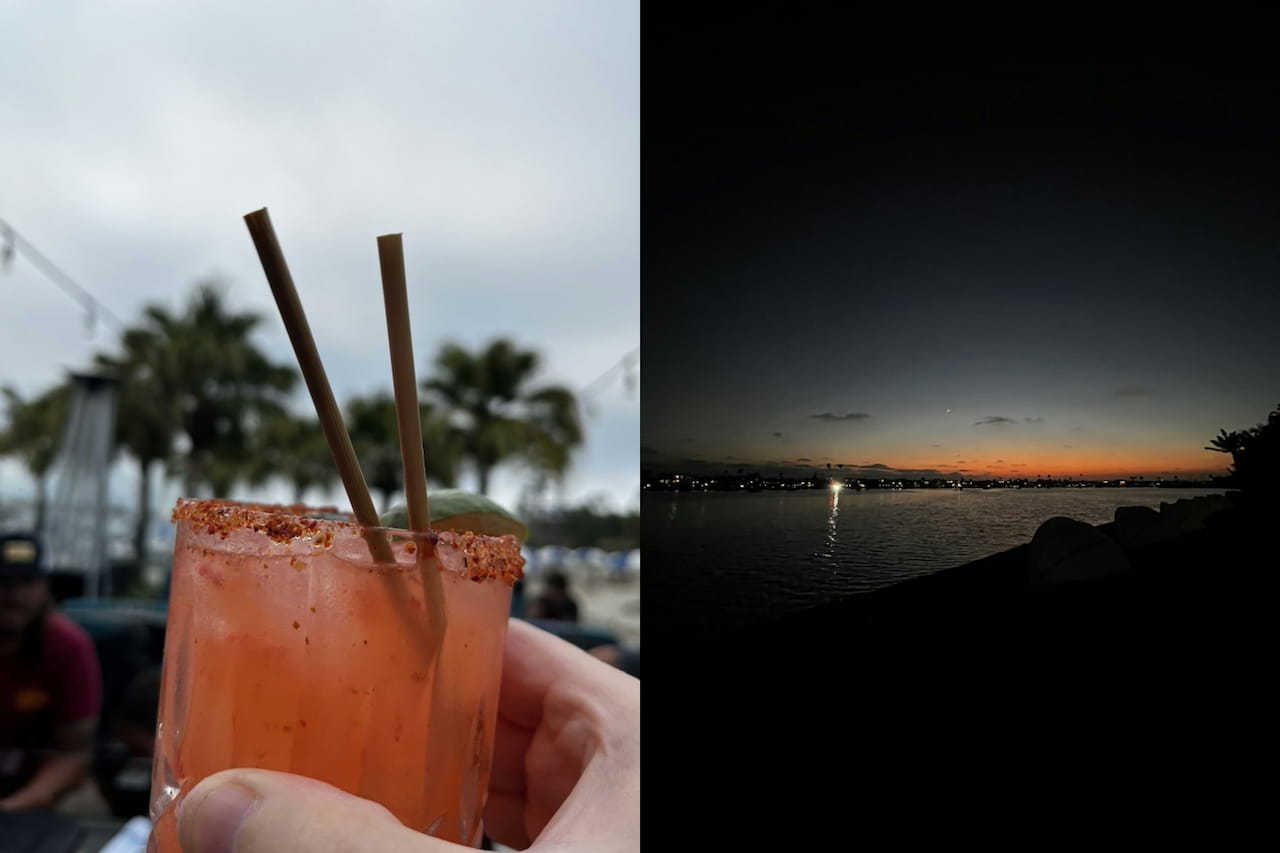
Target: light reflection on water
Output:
[(742, 555)]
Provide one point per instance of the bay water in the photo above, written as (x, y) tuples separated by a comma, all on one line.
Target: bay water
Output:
[(739, 557)]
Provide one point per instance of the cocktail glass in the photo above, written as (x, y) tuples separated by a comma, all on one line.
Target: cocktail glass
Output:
[(290, 647)]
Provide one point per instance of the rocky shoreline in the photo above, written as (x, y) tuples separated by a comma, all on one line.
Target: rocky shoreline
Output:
[(1117, 678)]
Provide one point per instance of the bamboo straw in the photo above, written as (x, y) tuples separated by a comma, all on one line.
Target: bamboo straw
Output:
[(295, 323), (408, 416), (405, 383), (446, 723)]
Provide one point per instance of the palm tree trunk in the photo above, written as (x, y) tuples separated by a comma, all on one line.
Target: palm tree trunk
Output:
[(42, 500), (482, 472), (190, 476), (144, 513)]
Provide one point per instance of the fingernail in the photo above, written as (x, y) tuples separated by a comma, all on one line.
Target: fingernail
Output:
[(210, 824)]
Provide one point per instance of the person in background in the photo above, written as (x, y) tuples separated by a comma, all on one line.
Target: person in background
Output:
[(517, 599), (123, 768), (624, 657), (554, 602), (50, 686)]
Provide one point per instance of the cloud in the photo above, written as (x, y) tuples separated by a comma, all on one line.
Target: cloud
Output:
[(1035, 420), (997, 461), (937, 445), (959, 461), (1069, 446), (1133, 391), (804, 459), (777, 435), (848, 416), (994, 419)]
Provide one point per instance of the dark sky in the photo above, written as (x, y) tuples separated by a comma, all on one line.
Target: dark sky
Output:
[(1074, 254)]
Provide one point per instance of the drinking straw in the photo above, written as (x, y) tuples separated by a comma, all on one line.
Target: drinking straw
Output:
[(304, 347), (400, 338), (446, 717), (408, 416)]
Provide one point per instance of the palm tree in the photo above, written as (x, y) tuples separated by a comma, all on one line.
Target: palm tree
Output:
[(1255, 456), (1229, 442), (295, 449), (147, 418), (486, 394), (220, 384), (375, 436), (33, 432), (372, 424), (195, 375)]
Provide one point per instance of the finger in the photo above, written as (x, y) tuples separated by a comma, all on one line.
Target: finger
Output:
[(537, 660), (504, 819), (561, 708), (256, 811), (504, 811), (510, 748)]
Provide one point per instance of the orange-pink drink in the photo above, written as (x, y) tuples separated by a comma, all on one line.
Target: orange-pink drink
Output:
[(289, 647)]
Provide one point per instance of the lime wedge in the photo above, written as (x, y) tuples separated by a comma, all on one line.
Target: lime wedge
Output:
[(458, 510)]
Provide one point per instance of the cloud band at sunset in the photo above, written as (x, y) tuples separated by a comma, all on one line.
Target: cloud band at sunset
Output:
[(850, 416)]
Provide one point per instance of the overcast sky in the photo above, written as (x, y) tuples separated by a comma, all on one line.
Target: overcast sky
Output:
[(501, 139)]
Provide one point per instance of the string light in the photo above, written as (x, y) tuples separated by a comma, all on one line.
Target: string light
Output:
[(94, 310), (627, 365)]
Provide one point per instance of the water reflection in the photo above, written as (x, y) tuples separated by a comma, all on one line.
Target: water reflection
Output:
[(727, 552), (832, 514)]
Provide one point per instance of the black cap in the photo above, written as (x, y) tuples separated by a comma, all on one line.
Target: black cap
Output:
[(20, 555)]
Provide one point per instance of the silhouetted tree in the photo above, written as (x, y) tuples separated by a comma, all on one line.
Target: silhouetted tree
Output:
[(1255, 457)]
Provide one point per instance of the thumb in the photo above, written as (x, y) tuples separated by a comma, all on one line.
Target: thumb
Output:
[(255, 811)]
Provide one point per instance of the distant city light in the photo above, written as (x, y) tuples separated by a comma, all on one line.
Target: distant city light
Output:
[(835, 487)]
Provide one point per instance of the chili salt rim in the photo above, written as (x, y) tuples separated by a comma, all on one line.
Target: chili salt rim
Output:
[(484, 557)]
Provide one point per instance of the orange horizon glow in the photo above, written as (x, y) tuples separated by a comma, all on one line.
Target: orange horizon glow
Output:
[(1092, 467)]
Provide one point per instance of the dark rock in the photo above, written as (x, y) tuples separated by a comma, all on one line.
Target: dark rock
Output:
[(1136, 526), (1189, 514), (964, 704), (1065, 551)]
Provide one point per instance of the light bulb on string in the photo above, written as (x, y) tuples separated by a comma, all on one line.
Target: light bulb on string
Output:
[(6, 251)]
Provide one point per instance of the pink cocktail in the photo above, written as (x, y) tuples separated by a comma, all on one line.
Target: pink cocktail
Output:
[(289, 647)]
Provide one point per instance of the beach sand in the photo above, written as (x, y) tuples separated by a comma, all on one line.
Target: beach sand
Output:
[(611, 602)]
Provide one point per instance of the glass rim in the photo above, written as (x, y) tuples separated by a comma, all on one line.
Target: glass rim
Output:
[(485, 557)]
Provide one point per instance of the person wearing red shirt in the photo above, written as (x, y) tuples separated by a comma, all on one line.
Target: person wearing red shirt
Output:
[(50, 686)]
